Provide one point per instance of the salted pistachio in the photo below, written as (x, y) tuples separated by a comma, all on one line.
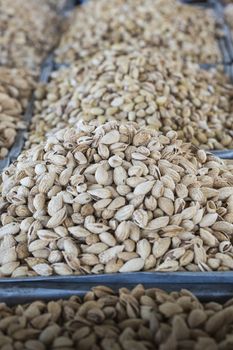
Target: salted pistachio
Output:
[(125, 206), (159, 104), (112, 318), (162, 13)]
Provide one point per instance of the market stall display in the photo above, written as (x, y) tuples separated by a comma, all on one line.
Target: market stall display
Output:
[(115, 183)]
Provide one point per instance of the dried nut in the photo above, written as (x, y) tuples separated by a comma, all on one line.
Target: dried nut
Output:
[(129, 319), (196, 318), (139, 30), (119, 208), (130, 73), (169, 309), (132, 265)]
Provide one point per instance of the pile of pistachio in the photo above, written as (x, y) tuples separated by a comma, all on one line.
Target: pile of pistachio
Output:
[(139, 319), (99, 25), (158, 92), (116, 198)]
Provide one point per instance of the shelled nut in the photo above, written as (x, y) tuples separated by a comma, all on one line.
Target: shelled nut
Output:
[(115, 199)]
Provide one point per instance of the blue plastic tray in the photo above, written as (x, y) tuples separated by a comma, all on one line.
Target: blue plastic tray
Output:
[(216, 286)]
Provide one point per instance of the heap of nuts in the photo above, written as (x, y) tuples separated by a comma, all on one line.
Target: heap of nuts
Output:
[(140, 319), (115, 198), (15, 89), (28, 32), (169, 24), (148, 88)]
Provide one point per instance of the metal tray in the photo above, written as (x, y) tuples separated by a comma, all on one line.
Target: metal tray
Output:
[(205, 285)]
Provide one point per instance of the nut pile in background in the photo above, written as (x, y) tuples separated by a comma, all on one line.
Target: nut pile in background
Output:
[(16, 86), (29, 30), (137, 24), (149, 88), (115, 199), (141, 319)]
